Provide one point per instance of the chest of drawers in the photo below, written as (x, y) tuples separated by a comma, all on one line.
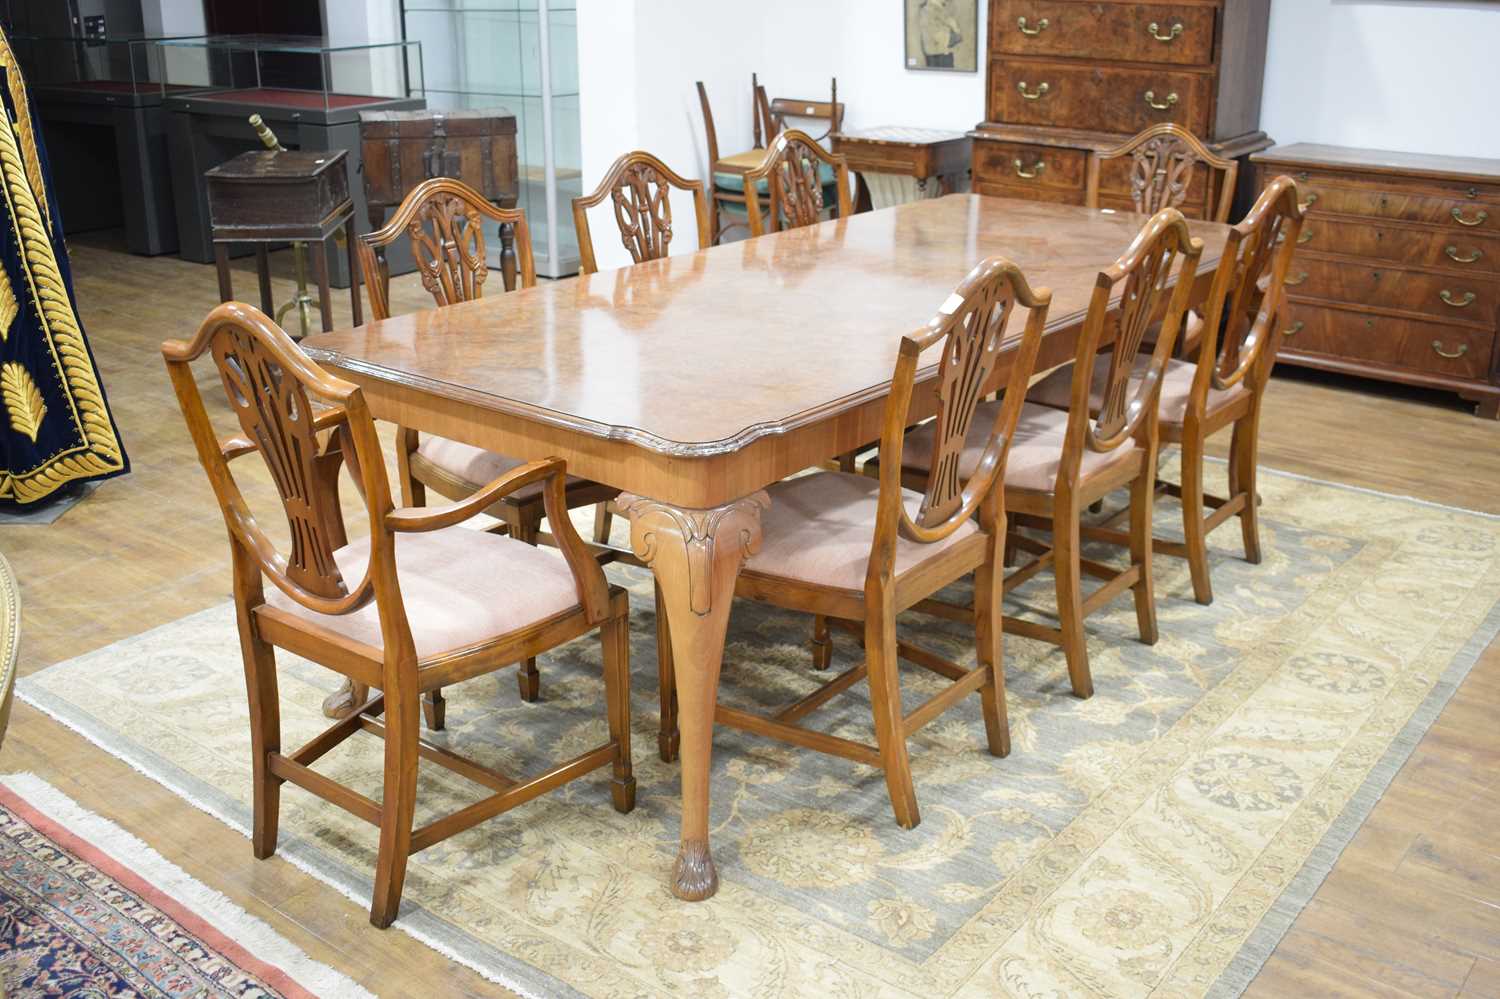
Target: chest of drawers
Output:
[(1068, 78), (1398, 276)]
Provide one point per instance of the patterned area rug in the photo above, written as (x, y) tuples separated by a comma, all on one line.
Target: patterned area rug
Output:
[(88, 910), (1154, 840)]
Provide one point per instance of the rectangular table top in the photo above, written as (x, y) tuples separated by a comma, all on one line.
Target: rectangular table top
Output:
[(701, 354)]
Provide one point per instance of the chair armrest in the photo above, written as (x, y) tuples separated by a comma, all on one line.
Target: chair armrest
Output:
[(433, 518)]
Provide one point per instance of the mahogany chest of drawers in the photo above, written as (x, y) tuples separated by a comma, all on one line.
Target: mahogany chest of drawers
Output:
[(1398, 276), (1067, 78)]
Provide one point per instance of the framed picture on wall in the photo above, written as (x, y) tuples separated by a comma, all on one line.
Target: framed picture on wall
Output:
[(942, 35)]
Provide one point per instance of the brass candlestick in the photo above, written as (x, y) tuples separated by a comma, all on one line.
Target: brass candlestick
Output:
[(302, 301)]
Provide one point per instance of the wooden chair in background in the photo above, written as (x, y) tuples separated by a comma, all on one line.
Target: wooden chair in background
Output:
[(1064, 460), (1163, 160), (442, 220), (434, 603), (639, 186), (853, 549), (794, 174), (727, 194), (772, 114)]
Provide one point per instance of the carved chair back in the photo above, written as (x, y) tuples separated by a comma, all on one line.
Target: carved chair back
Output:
[(1163, 161), (772, 115), (639, 186), (1248, 296), (971, 329), (444, 219), (795, 187), (1154, 280), (271, 386)]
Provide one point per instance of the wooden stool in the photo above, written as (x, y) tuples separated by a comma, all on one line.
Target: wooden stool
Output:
[(287, 196)]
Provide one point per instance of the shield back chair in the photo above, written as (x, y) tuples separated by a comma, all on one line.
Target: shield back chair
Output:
[(727, 196), (1163, 165), (418, 603), (794, 171), (1225, 387), (639, 187), (443, 219), (860, 551), (1064, 460)]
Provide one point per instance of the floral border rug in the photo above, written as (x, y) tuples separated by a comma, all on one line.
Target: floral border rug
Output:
[(86, 909), (1155, 840)]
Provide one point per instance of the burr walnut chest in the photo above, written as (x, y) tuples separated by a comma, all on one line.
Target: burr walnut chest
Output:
[(1068, 78), (1398, 275)]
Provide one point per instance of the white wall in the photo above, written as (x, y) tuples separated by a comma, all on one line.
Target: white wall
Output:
[(1410, 75)]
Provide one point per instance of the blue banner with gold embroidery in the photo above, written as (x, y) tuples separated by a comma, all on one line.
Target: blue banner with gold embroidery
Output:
[(56, 427)]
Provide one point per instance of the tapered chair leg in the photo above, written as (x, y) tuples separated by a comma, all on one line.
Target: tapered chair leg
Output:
[(603, 521), (265, 717), (1067, 571), (528, 680), (667, 737), (435, 710), (1142, 496), (615, 635), (413, 491), (1192, 517), (991, 656), (398, 806), (885, 698), (1242, 464), (822, 643)]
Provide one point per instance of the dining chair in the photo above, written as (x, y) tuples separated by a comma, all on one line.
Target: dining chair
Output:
[(1163, 161), (1064, 460), (417, 603), (443, 220), (860, 551), (727, 195), (639, 186), (1225, 386), (772, 114), (795, 170)]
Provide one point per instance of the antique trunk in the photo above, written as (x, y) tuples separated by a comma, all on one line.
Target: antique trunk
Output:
[(1068, 78), (403, 148), (277, 195), (1398, 276)]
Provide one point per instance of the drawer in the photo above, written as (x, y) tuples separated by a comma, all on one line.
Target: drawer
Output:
[(1174, 34), (1460, 191), (1468, 252), (1447, 297), (1411, 344), (1096, 98), (1030, 166), (1029, 192), (1404, 206)]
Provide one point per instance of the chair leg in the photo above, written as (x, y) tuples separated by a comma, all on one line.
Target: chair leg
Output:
[(1068, 571), (265, 716), (1142, 497), (615, 634), (434, 709), (822, 644), (528, 680), (398, 806), (1192, 518), (603, 521), (1242, 463), (991, 655), (667, 737), (413, 492), (885, 698)]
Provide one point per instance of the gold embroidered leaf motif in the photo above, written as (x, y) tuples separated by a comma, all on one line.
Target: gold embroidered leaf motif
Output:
[(23, 400), (8, 307)]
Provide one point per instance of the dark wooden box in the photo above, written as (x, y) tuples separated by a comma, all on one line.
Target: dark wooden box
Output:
[(401, 149), (282, 195)]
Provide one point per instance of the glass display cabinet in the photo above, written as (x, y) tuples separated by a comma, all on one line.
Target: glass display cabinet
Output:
[(521, 55), (113, 69)]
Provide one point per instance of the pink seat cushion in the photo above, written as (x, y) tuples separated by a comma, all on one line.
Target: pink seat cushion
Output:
[(1035, 453), (472, 464), (460, 587), (820, 527), (1176, 386)]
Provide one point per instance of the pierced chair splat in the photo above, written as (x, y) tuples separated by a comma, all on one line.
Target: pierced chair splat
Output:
[(794, 171), (1164, 161), (639, 188)]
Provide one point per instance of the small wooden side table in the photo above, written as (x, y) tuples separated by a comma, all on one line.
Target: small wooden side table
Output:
[(288, 196), (897, 163)]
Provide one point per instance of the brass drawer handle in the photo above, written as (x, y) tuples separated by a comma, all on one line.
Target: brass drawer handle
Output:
[(1306, 237), (1294, 329), (1155, 32), (1031, 174), (1437, 348), (1300, 279), (1460, 301), (1033, 95), (1473, 258), (1041, 26), (1458, 216), (1160, 105), (1312, 199)]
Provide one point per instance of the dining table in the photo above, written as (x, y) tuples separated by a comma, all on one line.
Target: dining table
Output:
[(693, 382)]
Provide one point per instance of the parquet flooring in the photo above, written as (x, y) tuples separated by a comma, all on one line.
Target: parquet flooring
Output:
[(1411, 909)]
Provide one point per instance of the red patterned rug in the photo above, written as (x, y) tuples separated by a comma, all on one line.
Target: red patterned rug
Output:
[(86, 909)]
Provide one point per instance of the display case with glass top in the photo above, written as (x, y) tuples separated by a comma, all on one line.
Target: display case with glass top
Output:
[(290, 78), (120, 69)]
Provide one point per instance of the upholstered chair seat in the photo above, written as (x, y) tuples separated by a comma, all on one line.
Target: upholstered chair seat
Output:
[(819, 527), (1176, 388), (460, 587), (471, 467)]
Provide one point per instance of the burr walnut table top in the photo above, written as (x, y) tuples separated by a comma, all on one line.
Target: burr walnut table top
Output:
[(697, 355)]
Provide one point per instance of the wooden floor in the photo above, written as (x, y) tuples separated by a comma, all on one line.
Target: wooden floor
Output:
[(1411, 909)]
